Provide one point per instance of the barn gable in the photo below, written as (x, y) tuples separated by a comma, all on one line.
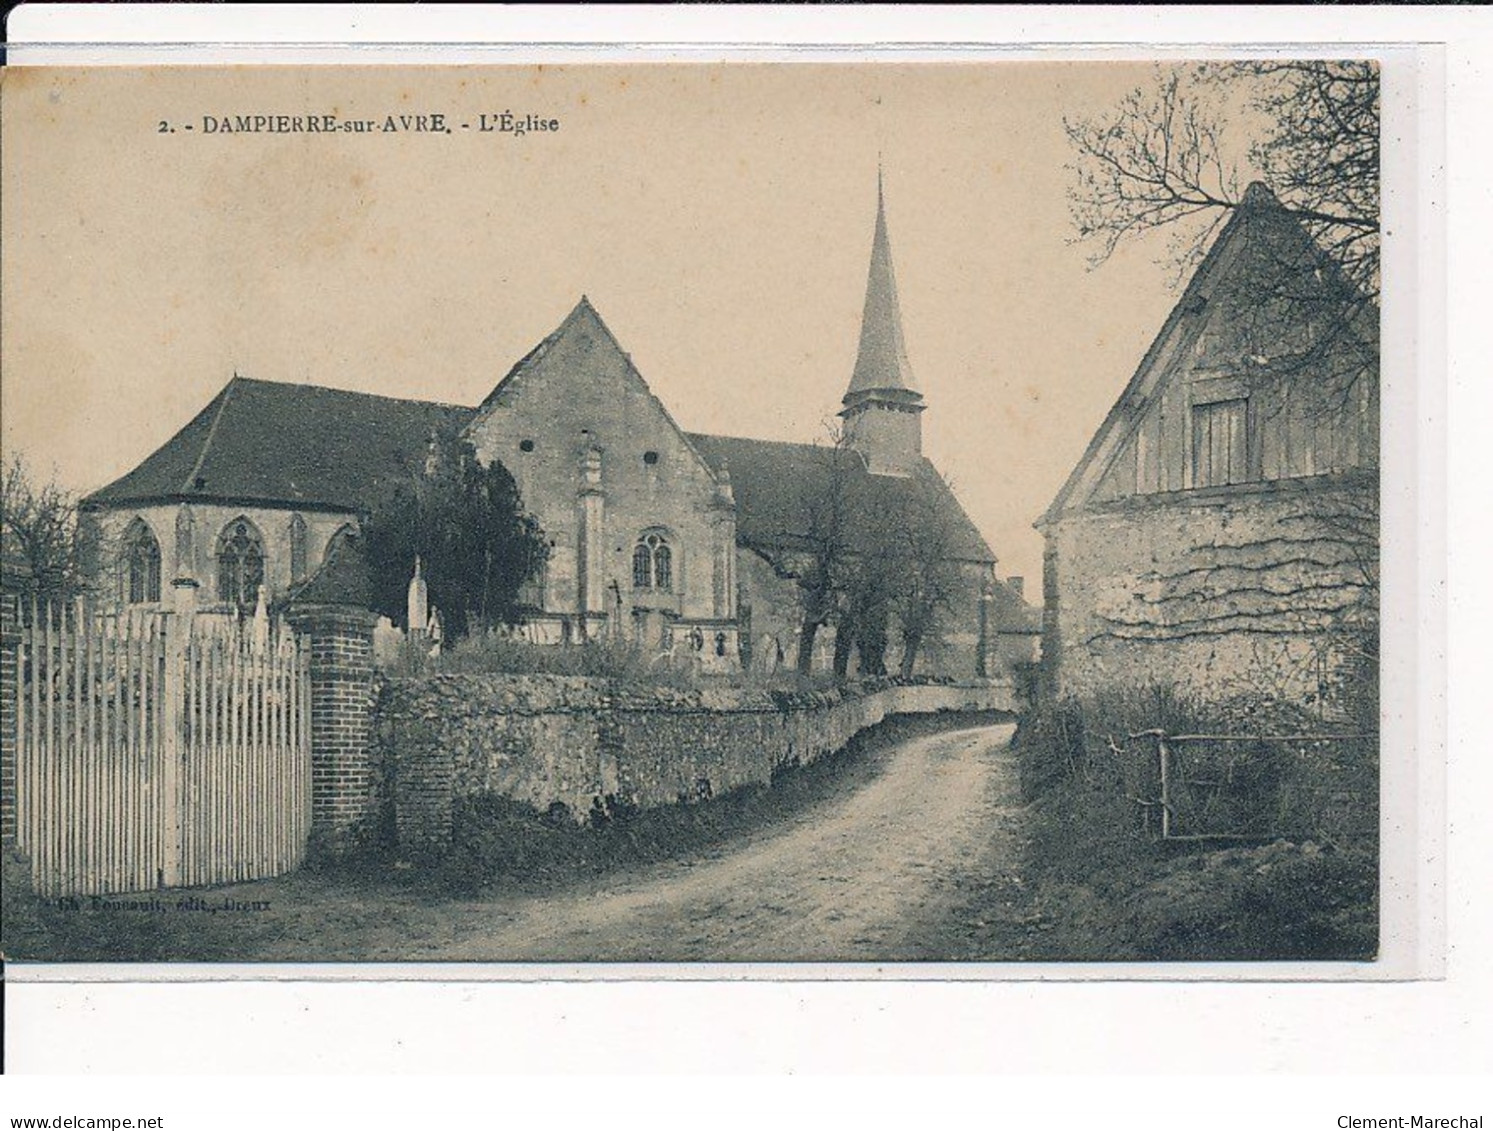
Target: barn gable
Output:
[(1221, 397)]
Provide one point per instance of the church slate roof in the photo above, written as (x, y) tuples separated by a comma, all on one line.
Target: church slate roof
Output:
[(272, 443), (771, 481)]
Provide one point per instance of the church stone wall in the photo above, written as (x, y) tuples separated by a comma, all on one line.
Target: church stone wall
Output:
[(547, 739), (207, 522)]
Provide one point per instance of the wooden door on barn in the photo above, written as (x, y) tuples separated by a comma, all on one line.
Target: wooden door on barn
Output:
[(159, 749)]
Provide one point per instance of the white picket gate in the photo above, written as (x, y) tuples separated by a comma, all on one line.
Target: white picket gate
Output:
[(159, 749)]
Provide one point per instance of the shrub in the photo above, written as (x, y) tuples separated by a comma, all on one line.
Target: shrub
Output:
[(1277, 902), (1094, 850)]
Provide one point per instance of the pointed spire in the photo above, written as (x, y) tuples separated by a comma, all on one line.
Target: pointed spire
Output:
[(882, 360)]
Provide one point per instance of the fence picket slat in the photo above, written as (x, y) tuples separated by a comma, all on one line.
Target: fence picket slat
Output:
[(87, 760), (23, 815), (33, 776), (146, 759), (187, 769), (111, 813), (52, 763), (135, 675)]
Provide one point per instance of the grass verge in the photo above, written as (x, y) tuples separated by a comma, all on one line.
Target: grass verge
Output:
[(1095, 885)]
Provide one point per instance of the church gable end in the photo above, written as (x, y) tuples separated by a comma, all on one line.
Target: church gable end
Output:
[(580, 390), (602, 466)]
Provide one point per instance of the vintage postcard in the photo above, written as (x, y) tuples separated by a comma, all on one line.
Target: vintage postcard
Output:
[(916, 515)]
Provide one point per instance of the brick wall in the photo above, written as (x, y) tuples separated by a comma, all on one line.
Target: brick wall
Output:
[(548, 739), (343, 784)]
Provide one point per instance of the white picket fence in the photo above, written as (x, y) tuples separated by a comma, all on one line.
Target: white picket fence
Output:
[(159, 749)]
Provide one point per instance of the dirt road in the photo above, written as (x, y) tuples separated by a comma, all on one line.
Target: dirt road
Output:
[(864, 877), (909, 853)]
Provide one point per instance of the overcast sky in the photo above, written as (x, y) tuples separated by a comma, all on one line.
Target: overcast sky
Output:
[(719, 217)]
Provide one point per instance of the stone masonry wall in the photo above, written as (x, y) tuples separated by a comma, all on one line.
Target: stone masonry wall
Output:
[(546, 739), (1237, 595)]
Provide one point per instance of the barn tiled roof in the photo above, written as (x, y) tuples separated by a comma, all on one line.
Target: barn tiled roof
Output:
[(268, 442), (772, 482)]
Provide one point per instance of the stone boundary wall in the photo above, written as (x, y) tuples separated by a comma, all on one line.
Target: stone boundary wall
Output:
[(544, 739)]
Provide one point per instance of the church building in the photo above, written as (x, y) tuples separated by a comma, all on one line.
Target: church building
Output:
[(656, 535)]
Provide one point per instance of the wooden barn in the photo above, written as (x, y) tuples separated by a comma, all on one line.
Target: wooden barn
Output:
[(1220, 533)]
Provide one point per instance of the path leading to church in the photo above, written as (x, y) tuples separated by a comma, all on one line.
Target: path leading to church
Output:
[(867, 877), (911, 853)]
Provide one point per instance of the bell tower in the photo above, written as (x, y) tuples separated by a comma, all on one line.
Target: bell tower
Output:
[(883, 408)]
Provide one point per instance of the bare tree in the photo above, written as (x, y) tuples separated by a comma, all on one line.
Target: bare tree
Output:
[(1169, 159), (870, 579), (827, 527), (928, 574), (53, 551)]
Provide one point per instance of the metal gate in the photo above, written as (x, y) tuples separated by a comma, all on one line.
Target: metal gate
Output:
[(1250, 787), (159, 749)]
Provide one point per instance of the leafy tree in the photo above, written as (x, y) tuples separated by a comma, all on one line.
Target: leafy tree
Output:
[(49, 549), (465, 521), (1171, 158)]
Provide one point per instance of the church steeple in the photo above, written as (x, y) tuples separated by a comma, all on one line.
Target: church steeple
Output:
[(883, 405)]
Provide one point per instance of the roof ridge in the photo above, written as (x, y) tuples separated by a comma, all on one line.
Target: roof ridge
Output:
[(537, 351), (810, 444), (239, 378)]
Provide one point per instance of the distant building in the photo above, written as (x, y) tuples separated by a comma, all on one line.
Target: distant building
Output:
[(1220, 533), (672, 539)]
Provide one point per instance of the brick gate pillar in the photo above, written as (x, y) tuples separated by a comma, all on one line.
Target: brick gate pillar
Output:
[(340, 639)]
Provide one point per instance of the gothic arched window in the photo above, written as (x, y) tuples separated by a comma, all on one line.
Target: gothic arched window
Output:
[(297, 547), (240, 564), (142, 564), (652, 563)]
